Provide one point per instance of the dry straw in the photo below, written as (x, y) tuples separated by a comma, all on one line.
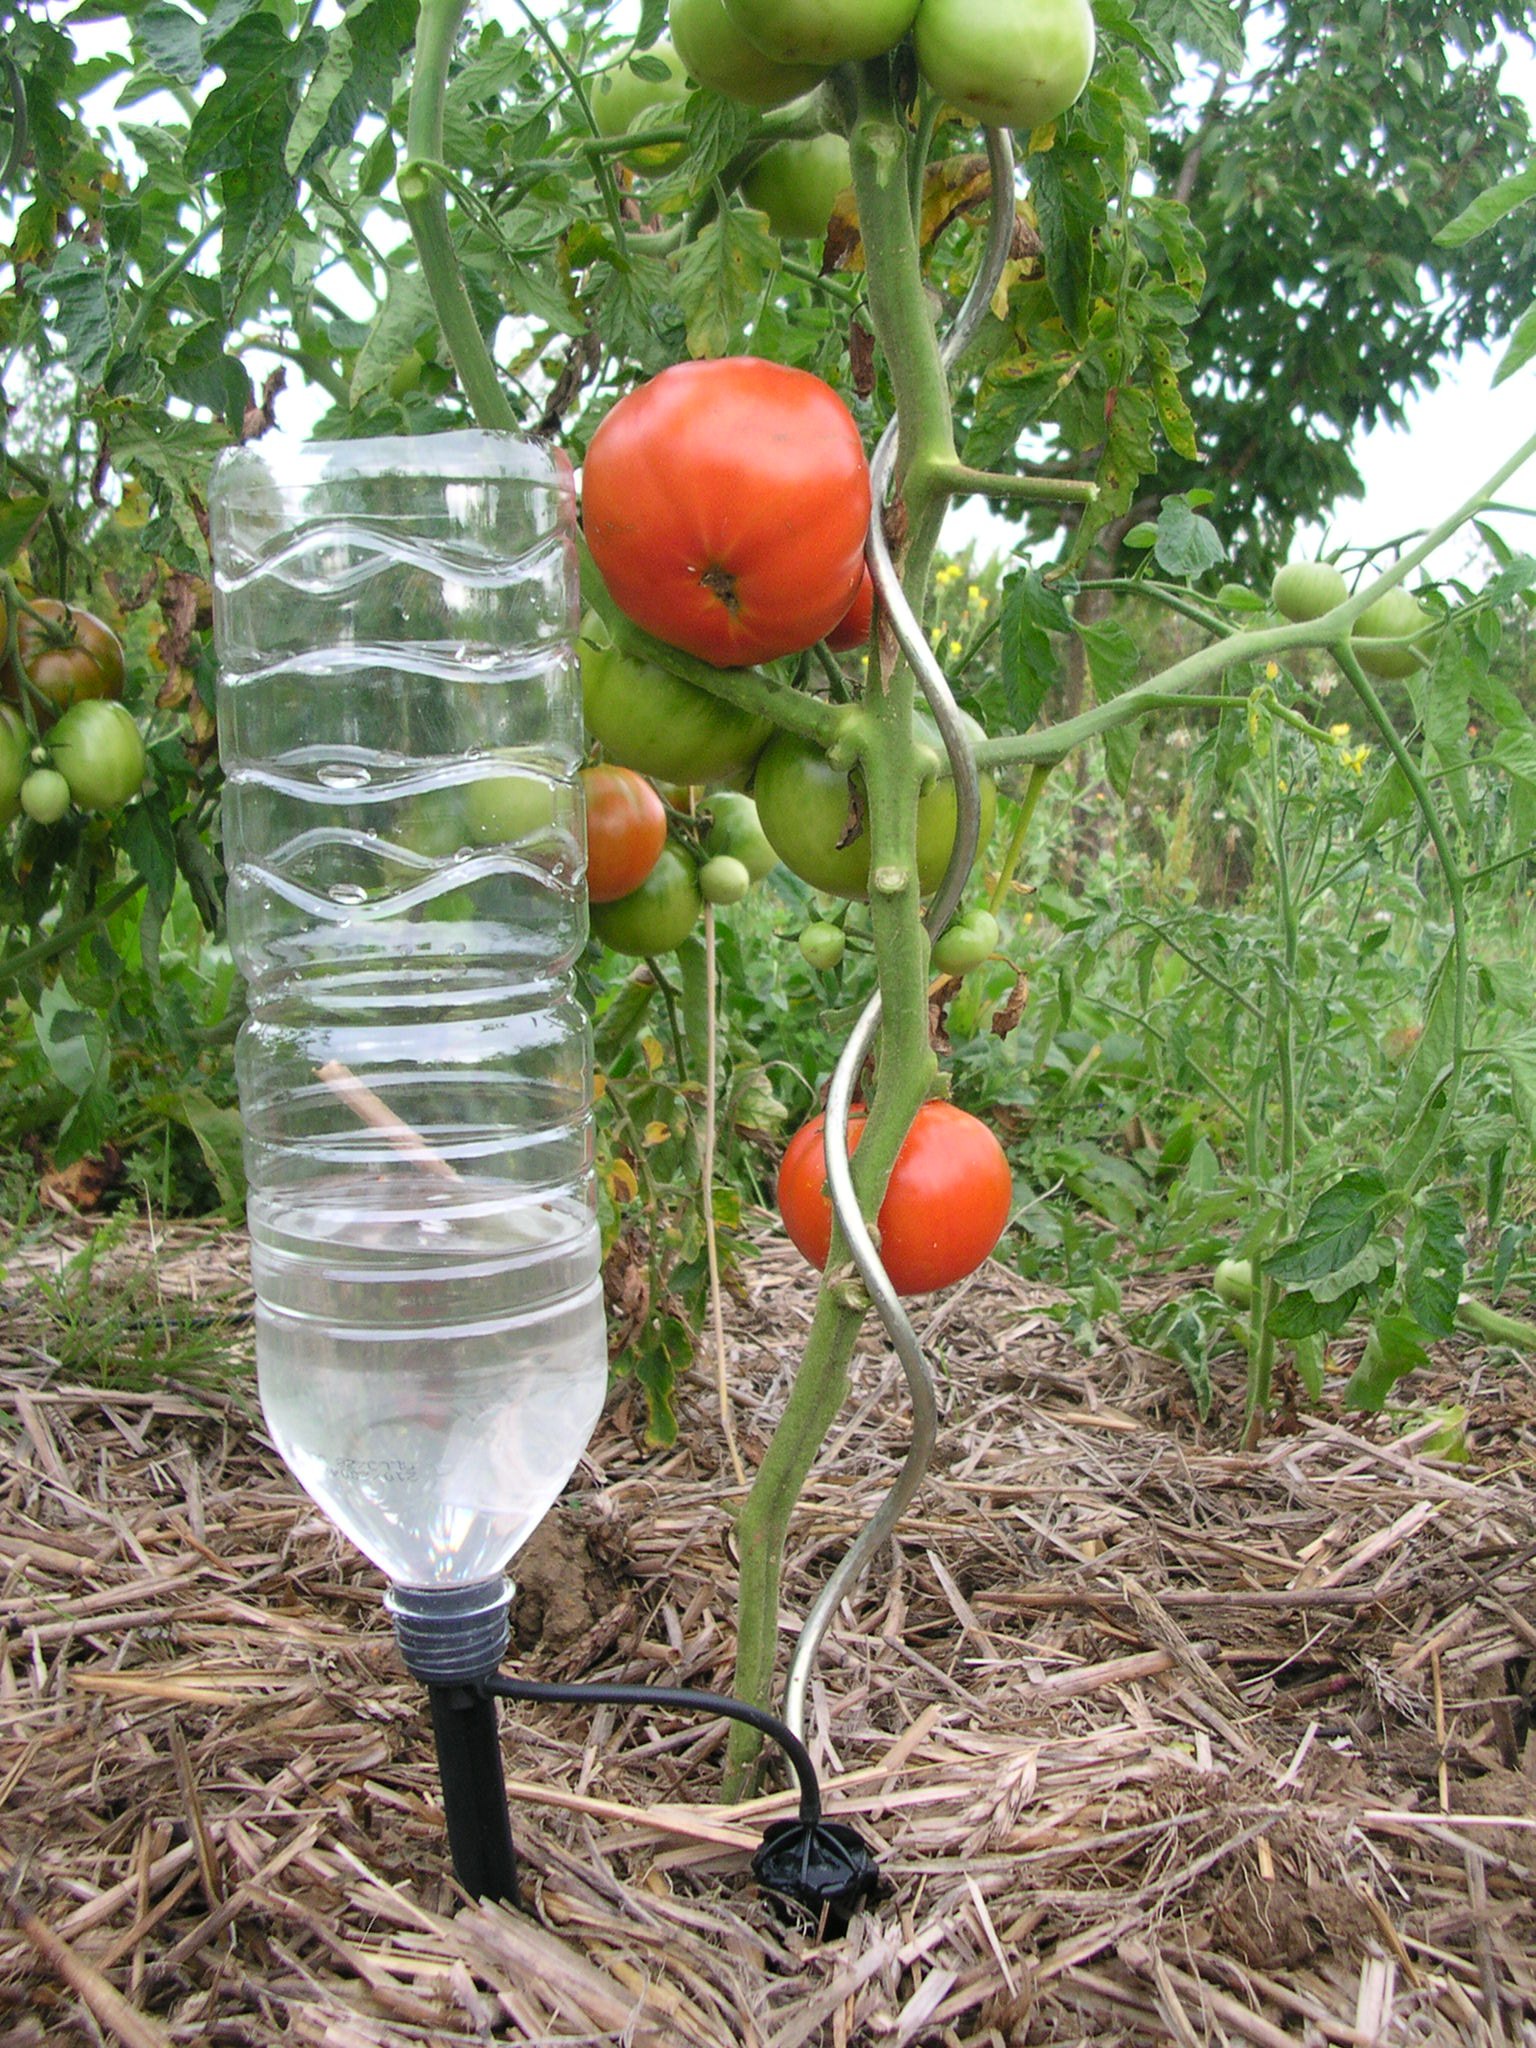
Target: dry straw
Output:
[(1158, 1742)]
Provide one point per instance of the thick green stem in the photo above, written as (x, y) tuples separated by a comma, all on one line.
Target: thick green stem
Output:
[(881, 741), (421, 197), (962, 482)]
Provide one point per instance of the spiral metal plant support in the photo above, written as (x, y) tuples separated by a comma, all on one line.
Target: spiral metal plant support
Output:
[(914, 645)]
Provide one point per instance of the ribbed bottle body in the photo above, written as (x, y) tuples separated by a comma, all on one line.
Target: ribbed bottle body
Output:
[(400, 729)]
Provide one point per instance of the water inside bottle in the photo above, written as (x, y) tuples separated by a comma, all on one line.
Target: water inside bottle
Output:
[(431, 1360)]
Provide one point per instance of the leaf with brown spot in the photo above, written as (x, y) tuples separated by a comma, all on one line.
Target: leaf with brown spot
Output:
[(76, 1190)]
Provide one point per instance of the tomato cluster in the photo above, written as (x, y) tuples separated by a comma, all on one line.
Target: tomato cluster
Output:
[(82, 746)]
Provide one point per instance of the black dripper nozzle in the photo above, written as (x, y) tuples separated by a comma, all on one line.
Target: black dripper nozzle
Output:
[(823, 1867)]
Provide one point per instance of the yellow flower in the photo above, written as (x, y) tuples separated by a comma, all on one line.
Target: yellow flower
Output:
[(956, 649), (950, 572), (1355, 758), (1271, 671), (977, 596), (1338, 734)]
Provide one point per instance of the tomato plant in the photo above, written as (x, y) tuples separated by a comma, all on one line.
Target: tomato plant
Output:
[(626, 830), (644, 717), (1009, 63), (723, 879), (656, 917), (718, 54), (946, 1203), (797, 184), (69, 654), (725, 505), (812, 814), (99, 751)]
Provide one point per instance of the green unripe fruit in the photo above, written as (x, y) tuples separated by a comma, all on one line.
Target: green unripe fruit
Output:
[(656, 917), (1392, 620), (1305, 590), (15, 743), (824, 32), (822, 945), (626, 103), (45, 796), (724, 879), (963, 946), (1233, 1282), (718, 55), (797, 184), (99, 751), (1006, 63), (734, 829)]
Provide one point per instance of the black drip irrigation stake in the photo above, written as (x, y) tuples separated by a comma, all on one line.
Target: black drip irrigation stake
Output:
[(822, 1866)]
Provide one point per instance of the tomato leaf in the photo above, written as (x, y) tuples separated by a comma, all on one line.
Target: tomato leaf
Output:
[(1435, 1262), (1031, 612), (720, 278), (1187, 544), (1068, 199), (1335, 1231), (1392, 1349)]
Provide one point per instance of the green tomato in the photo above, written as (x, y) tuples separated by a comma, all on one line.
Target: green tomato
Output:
[(15, 746), (822, 945), (1393, 618), (736, 829), (797, 184), (1232, 1282), (646, 718), (508, 805), (724, 879), (962, 946), (1006, 63), (99, 751), (718, 55), (824, 32), (625, 103), (45, 796), (656, 917), (1305, 590), (805, 805)]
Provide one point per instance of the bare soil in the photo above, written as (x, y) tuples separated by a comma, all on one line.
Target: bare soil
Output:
[(1156, 1740)]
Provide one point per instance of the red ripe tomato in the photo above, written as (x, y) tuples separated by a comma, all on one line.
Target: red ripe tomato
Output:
[(725, 504), (626, 830), (946, 1204), (852, 630)]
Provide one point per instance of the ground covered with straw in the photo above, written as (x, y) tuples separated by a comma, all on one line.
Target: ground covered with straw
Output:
[(1156, 1741)]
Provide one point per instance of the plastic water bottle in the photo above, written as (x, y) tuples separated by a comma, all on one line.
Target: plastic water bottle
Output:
[(400, 727)]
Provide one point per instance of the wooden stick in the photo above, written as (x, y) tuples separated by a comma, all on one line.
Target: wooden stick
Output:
[(372, 1110)]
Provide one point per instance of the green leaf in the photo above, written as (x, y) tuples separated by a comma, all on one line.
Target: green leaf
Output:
[(1488, 208), (1069, 205), (1435, 1262), (145, 834), (1300, 1317), (219, 1134), (1186, 544), (82, 311), (1031, 611), (1335, 1230), (1309, 1355), (720, 278), (1522, 346), (406, 317), (1392, 1349), (1113, 659), (18, 521)]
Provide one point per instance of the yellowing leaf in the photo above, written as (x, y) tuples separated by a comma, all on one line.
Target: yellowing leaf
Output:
[(656, 1132), (622, 1184), (654, 1055)]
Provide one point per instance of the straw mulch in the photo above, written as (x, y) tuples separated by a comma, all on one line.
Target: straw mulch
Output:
[(1156, 1741)]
